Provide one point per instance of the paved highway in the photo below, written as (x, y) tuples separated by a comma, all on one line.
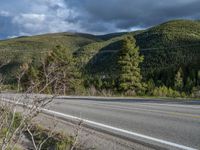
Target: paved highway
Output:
[(170, 122)]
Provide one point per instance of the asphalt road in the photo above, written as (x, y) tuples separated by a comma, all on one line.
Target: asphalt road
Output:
[(177, 122), (172, 121)]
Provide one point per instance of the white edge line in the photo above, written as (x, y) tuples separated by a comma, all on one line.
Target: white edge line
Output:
[(112, 128), (121, 130)]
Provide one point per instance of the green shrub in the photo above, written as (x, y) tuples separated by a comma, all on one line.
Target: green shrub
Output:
[(164, 91), (196, 92)]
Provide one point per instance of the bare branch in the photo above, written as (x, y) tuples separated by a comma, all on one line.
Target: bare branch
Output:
[(32, 138)]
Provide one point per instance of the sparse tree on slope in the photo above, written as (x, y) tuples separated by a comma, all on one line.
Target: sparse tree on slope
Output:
[(59, 68), (179, 80)]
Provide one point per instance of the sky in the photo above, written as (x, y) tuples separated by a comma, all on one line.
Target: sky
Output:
[(32, 17)]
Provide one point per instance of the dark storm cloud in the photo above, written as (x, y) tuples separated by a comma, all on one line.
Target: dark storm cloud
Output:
[(28, 17), (125, 14)]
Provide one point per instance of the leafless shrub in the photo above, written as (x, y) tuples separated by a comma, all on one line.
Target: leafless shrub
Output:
[(77, 130), (106, 93), (20, 73), (50, 133), (92, 91), (12, 123)]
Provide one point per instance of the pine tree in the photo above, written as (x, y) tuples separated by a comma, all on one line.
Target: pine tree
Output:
[(178, 83), (130, 79)]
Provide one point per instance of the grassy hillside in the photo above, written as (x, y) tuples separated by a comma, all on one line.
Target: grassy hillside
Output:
[(24, 49), (165, 47)]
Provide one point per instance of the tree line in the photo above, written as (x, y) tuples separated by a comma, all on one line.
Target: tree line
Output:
[(129, 79)]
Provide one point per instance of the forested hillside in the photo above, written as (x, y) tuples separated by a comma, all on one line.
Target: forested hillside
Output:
[(166, 48), (171, 54)]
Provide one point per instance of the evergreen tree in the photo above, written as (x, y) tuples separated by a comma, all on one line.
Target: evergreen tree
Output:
[(178, 83), (189, 85), (150, 86), (129, 79)]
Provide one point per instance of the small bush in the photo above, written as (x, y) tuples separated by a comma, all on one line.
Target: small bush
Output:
[(164, 91), (195, 92)]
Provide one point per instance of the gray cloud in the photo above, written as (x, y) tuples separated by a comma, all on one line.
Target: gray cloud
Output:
[(37, 17), (27, 17)]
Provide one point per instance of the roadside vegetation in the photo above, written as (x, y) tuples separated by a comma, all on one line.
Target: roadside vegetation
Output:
[(18, 128), (14, 137)]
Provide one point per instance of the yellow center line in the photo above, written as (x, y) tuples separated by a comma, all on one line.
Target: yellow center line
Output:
[(135, 108)]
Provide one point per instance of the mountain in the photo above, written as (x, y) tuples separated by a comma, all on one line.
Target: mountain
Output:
[(166, 48)]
